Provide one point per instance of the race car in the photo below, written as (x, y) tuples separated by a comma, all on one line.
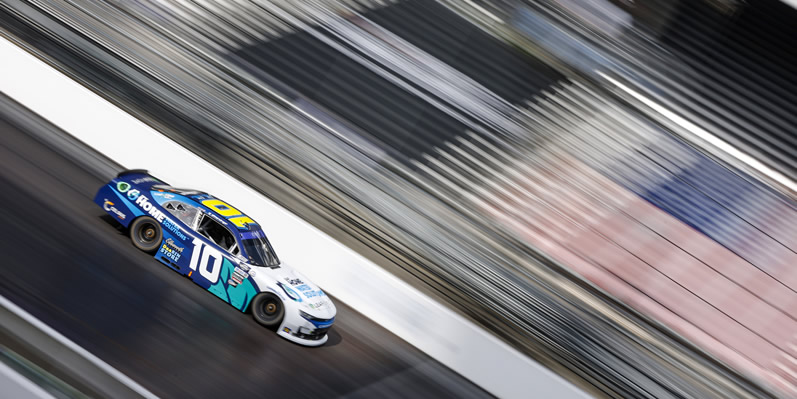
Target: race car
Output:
[(221, 250)]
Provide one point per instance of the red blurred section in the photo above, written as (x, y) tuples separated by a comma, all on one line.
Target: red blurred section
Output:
[(660, 266)]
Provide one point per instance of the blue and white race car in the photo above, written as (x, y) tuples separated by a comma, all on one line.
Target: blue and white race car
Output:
[(221, 250)]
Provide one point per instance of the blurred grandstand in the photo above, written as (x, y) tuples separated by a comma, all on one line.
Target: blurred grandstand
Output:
[(503, 156)]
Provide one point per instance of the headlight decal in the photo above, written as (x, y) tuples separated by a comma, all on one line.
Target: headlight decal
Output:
[(317, 322)]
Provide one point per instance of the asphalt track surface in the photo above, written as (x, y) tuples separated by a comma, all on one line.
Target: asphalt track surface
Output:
[(70, 267)]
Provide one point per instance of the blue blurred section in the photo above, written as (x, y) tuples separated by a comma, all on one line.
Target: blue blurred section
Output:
[(692, 193), (725, 204)]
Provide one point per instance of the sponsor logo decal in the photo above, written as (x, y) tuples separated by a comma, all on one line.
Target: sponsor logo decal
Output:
[(290, 293), (122, 187), (228, 212), (144, 203), (170, 250), (142, 180), (108, 206), (218, 219), (241, 273), (170, 243), (317, 305), (169, 225), (286, 329), (308, 291), (133, 194), (238, 276), (294, 281), (162, 194), (313, 294)]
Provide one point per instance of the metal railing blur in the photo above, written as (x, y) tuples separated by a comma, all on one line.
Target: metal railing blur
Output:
[(721, 64), (440, 174)]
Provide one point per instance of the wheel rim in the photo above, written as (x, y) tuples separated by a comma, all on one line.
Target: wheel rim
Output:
[(147, 233), (268, 310)]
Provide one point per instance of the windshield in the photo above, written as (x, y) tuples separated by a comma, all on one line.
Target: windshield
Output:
[(258, 250)]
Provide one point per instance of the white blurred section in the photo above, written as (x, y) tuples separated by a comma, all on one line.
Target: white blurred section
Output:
[(707, 137), (433, 328), (17, 386)]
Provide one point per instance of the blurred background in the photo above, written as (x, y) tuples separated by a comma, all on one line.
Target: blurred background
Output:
[(607, 186)]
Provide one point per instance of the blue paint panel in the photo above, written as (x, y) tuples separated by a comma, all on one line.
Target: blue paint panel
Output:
[(129, 206), (116, 205)]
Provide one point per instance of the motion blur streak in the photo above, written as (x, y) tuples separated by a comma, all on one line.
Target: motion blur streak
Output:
[(712, 140), (82, 277), (474, 149)]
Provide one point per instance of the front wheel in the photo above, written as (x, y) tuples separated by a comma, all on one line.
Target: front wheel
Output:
[(267, 309), (146, 234)]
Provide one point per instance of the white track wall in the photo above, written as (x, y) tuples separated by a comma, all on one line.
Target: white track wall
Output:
[(424, 323)]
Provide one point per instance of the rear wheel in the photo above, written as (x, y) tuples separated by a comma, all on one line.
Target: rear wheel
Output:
[(146, 234), (267, 309)]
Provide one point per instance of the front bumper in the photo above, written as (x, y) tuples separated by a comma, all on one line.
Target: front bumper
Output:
[(299, 339), (306, 329)]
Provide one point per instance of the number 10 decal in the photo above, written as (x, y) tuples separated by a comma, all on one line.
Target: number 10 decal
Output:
[(201, 256)]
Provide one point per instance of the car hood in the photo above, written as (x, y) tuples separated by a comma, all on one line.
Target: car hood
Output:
[(291, 285)]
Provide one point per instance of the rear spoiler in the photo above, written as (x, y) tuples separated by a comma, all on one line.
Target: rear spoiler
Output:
[(140, 172), (133, 172)]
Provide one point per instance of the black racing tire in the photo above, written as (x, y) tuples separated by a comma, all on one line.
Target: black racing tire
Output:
[(146, 234), (268, 310)]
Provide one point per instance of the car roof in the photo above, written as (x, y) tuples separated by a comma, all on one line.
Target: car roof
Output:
[(196, 198)]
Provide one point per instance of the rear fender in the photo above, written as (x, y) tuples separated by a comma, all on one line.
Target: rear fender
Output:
[(117, 197), (117, 204)]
